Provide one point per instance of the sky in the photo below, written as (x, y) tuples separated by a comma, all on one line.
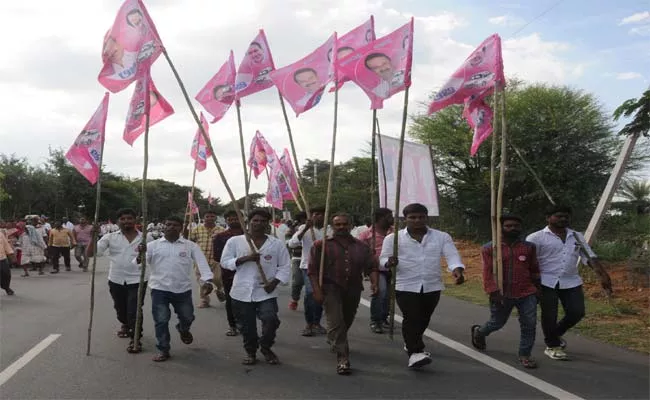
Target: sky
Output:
[(49, 81)]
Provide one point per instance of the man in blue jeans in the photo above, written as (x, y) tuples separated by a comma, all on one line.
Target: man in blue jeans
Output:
[(171, 260), (521, 286), (253, 298)]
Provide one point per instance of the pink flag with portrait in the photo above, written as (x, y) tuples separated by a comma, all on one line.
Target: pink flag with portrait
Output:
[(287, 180), (481, 71), (259, 152), (348, 43), (479, 116), (274, 193), (200, 151), (383, 67), (303, 82), (253, 72), (130, 47), (194, 208), (85, 154), (145, 97), (218, 94)]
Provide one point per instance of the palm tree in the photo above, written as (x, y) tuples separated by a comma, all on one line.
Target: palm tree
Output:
[(637, 193)]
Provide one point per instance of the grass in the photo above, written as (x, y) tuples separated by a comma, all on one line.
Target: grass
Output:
[(615, 321)]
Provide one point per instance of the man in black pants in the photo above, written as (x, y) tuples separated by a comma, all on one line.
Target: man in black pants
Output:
[(419, 280), (227, 276), (123, 275), (6, 257)]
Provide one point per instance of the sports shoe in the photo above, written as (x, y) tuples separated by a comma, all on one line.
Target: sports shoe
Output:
[(556, 353), (376, 327), (417, 360), (293, 305), (478, 340)]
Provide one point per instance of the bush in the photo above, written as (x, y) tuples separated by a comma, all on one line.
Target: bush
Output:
[(613, 251)]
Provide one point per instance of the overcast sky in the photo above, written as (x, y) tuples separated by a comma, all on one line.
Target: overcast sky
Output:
[(49, 79)]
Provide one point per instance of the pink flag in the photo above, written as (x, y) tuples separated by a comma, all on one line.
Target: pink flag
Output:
[(479, 117), (257, 158), (218, 94), (274, 193), (130, 47), (383, 67), (210, 198), (85, 154), (200, 151), (194, 208), (253, 72), (288, 181), (481, 71), (348, 43), (158, 107), (303, 82)]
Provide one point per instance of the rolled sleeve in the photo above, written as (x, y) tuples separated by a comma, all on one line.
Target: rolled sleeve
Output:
[(229, 256), (451, 253), (103, 244), (294, 241)]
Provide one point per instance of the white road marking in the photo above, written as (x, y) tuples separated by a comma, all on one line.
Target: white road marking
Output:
[(515, 373), (26, 358)]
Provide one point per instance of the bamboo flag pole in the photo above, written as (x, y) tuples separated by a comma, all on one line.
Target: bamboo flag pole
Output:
[(188, 208), (208, 144), (98, 196), (143, 254), (383, 164), (398, 190), (502, 178), (373, 187), (243, 159), (493, 194), (328, 199), (533, 173)]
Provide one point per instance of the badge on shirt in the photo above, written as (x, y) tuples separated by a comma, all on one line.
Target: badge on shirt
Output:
[(522, 258), (268, 257), (182, 254)]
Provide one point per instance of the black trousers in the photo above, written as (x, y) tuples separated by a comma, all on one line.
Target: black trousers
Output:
[(125, 302), (5, 274), (573, 303), (417, 309), (227, 286), (57, 252)]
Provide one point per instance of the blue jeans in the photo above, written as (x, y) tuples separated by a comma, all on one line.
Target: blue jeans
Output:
[(183, 307), (296, 280), (499, 314), (246, 314), (313, 310), (379, 303)]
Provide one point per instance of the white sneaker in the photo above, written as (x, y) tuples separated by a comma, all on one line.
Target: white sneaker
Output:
[(417, 360), (556, 353)]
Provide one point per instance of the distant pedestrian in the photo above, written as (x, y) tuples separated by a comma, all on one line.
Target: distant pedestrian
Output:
[(83, 235), (33, 248), (60, 242), (6, 259)]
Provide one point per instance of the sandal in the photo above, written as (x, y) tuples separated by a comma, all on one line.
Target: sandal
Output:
[(250, 359), (123, 332), (308, 331), (478, 340), (160, 357), (528, 362), (270, 357), (186, 337), (343, 368), (232, 331), (133, 348)]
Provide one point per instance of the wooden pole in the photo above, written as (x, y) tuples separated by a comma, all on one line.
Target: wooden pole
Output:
[(143, 254), (373, 187), (328, 199), (532, 172), (502, 179), (383, 165), (208, 144), (398, 189), (188, 208), (98, 195), (243, 158), (493, 192)]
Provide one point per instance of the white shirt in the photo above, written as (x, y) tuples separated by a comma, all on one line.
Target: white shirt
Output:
[(358, 230), (558, 261), (69, 226), (307, 242), (281, 231), (121, 253), (171, 264), (247, 285), (419, 263)]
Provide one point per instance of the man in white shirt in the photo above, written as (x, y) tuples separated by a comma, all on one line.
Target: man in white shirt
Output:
[(251, 298), (67, 224), (418, 274), (123, 276), (170, 260), (558, 250), (305, 237)]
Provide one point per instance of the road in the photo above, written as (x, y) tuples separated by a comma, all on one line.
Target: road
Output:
[(211, 368)]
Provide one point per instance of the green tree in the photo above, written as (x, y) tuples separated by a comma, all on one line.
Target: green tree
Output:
[(563, 133)]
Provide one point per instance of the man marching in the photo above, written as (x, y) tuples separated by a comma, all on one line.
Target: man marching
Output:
[(250, 296), (346, 261), (521, 286), (419, 280), (558, 250), (170, 260), (203, 235)]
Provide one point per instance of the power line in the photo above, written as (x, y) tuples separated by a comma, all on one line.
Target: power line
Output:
[(546, 11)]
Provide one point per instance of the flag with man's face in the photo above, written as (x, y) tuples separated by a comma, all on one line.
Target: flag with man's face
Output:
[(253, 72), (348, 43), (200, 151), (218, 94)]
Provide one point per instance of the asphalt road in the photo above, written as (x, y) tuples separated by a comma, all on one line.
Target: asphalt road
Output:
[(211, 366)]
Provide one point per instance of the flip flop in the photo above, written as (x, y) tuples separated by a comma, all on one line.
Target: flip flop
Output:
[(160, 357), (250, 359), (133, 349), (270, 357), (343, 369)]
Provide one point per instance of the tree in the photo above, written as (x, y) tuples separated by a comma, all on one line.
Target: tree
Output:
[(637, 193), (563, 133)]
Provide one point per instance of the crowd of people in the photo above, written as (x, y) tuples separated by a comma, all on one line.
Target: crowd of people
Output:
[(244, 265)]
